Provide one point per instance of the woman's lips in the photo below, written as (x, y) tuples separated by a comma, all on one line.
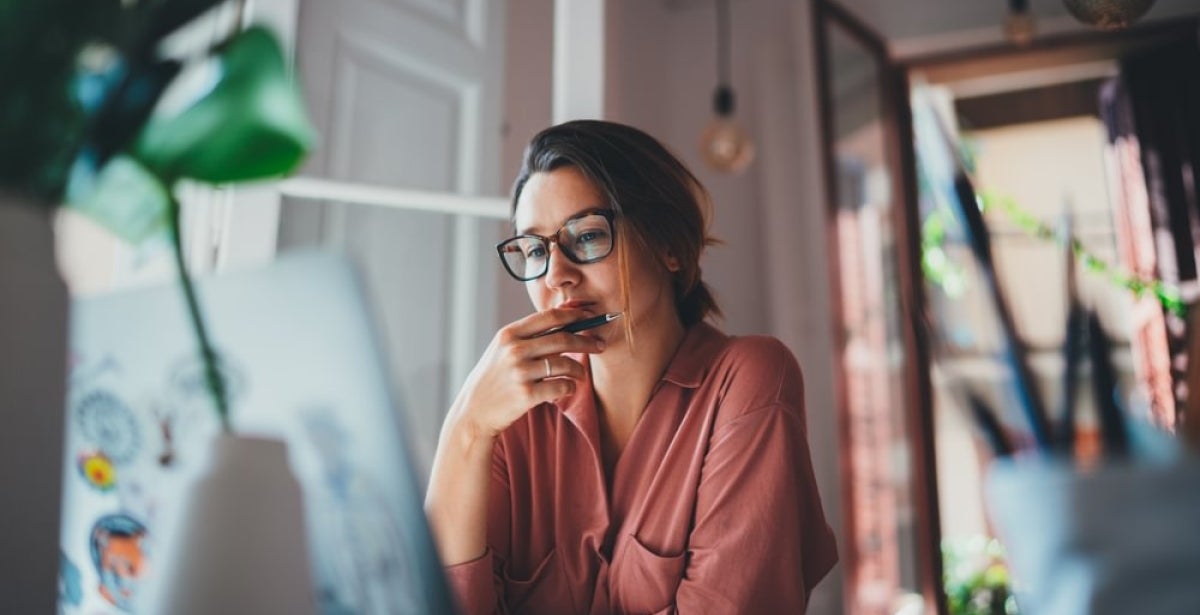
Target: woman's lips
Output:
[(575, 305)]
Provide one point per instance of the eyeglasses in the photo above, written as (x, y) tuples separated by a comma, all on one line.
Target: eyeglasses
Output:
[(587, 237)]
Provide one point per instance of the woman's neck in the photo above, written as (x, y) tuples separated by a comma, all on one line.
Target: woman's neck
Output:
[(623, 380)]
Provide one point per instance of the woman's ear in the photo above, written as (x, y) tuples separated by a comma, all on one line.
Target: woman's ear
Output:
[(671, 263)]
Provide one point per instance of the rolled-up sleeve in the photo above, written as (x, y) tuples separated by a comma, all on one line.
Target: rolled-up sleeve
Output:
[(475, 584), (472, 584)]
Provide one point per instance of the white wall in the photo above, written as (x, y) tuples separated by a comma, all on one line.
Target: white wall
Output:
[(662, 75), (527, 109), (527, 74)]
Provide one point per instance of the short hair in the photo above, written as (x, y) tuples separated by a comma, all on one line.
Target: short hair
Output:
[(658, 201)]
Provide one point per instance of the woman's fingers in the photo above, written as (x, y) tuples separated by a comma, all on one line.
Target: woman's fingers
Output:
[(552, 389), (521, 369), (524, 339), (558, 343), (541, 368), (539, 322), (546, 379)]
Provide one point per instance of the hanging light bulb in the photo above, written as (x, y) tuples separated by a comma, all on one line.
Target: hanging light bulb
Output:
[(1018, 26), (1108, 14), (724, 145)]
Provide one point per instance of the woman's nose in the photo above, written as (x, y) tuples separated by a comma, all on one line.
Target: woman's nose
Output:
[(560, 270)]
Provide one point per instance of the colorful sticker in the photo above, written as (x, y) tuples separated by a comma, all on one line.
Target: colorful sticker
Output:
[(98, 471), (106, 421), (118, 548)]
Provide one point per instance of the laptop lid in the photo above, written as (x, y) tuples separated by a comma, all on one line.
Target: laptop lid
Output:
[(301, 363)]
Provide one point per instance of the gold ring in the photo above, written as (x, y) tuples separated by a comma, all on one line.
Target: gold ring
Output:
[(547, 360)]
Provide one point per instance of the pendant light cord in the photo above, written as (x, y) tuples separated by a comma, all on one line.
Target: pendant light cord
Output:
[(723, 97), (723, 79)]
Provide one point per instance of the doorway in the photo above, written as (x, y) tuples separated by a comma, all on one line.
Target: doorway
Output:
[(1029, 120)]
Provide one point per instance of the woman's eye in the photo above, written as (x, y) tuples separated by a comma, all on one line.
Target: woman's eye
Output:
[(535, 252), (591, 236)]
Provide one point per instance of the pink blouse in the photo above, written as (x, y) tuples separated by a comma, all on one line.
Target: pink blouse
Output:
[(713, 506)]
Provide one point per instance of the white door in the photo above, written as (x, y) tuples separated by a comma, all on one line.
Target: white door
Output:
[(406, 94)]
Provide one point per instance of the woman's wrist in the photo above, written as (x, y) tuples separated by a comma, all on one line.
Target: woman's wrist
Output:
[(470, 437)]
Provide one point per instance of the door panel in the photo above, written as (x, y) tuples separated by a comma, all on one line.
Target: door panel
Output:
[(396, 90)]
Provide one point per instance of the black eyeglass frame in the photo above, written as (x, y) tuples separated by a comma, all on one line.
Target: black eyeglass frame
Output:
[(607, 214)]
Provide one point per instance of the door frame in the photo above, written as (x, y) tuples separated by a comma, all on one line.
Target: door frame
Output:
[(916, 383), (1049, 51)]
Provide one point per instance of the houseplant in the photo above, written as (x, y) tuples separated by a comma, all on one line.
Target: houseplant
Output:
[(79, 123)]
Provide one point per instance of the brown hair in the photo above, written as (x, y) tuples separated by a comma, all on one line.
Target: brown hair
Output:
[(658, 201)]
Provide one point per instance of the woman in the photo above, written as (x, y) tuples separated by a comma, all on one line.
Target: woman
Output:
[(652, 464)]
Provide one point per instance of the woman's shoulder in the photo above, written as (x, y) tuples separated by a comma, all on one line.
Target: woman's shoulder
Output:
[(757, 348), (757, 372), (706, 342)]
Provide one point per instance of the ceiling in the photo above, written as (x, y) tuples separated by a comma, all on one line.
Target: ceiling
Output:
[(919, 27), (905, 24)]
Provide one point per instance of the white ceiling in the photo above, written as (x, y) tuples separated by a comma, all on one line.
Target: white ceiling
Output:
[(904, 23)]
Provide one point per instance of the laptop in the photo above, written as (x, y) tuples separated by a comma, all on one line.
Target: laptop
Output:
[(301, 363)]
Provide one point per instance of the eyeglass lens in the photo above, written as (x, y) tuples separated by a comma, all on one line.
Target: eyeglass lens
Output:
[(583, 240)]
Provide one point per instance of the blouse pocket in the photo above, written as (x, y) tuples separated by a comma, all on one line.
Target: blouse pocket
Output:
[(542, 591), (645, 581)]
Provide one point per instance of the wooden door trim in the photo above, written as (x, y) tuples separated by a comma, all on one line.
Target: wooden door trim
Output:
[(918, 419)]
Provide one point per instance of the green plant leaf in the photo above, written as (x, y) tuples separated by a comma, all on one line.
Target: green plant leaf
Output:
[(251, 125)]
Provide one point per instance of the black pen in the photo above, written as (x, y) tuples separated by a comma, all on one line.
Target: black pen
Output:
[(583, 325)]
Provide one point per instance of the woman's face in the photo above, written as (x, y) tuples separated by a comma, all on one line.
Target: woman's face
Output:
[(547, 201)]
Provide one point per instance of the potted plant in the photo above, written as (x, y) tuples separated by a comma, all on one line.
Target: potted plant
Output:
[(79, 123)]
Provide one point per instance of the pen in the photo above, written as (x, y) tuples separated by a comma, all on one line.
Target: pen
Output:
[(989, 426), (976, 231), (977, 237), (583, 325), (1113, 431), (1073, 343)]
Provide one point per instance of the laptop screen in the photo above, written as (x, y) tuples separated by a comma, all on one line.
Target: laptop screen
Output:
[(300, 362)]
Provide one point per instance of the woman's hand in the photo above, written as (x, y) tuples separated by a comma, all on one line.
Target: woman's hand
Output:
[(520, 370)]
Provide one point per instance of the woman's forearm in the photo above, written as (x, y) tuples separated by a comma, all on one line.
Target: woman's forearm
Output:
[(457, 499)]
